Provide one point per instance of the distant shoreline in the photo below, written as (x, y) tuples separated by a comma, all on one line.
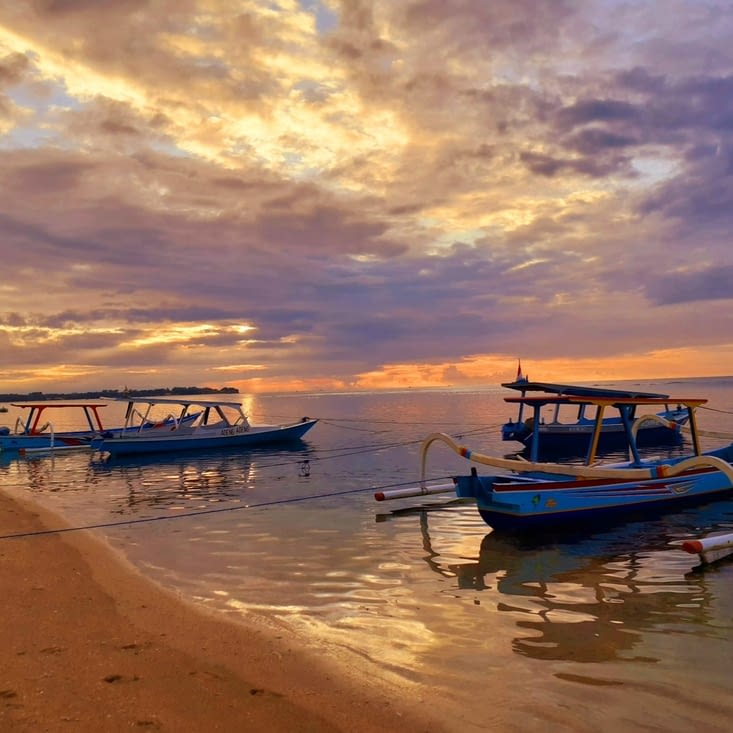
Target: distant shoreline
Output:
[(116, 393), (174, 391)]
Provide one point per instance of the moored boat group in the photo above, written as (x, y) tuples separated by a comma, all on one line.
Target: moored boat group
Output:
[(537, 488), (190, 424)]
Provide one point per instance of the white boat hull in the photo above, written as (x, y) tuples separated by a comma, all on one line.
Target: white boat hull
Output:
[(205, 438)]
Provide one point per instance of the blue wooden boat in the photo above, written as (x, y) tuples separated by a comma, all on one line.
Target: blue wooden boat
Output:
[(534, 494), (570, 437), (216, 425), (35, 432)]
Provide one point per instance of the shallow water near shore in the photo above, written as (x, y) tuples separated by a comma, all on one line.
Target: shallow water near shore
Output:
[(609, 629)]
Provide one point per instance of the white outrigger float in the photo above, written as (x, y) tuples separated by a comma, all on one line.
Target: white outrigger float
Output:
[(711, 548), (529, 494)]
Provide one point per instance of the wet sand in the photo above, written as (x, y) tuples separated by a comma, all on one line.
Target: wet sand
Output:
[(88, 644)]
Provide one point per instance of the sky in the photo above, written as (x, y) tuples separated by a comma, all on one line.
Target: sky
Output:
[(318, 195)]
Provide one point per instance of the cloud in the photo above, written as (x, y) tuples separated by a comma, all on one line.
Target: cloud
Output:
[(712, 283), (345, 193)]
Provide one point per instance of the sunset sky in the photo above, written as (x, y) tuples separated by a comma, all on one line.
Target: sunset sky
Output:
[(357, 194)]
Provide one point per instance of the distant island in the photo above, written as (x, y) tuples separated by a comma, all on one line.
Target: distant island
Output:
[(116, 393)]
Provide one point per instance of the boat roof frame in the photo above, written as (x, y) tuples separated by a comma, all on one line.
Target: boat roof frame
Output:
[(577, 389), (624, 404), (175, 401), (603, 399), (36, 409), (64, 403)]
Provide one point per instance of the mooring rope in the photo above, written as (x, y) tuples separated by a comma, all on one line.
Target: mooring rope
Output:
[(203, 512)]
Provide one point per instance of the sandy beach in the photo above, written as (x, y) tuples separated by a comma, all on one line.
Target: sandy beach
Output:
[(90, 645)]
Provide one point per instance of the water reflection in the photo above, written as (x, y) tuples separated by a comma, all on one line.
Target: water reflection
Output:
[(489, 625), (40, 472), (192, 480), (594, 597)]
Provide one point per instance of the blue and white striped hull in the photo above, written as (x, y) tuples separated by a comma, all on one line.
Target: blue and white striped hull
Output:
[(45, 442)]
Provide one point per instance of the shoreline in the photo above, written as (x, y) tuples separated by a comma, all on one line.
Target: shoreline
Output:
[(91, 644)]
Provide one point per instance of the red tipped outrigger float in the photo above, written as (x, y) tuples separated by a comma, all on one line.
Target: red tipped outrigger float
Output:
[(710, 549)]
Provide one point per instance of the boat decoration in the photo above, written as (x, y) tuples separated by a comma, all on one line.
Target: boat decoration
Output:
[(215, 425), (531, 493), (570, 437)]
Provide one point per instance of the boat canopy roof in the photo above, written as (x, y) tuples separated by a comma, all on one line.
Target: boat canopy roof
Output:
[(177, 401), (578, 390), (603, 398), (52, 403)]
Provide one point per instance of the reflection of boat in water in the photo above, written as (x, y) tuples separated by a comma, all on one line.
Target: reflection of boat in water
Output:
[(581, 598), (194, 479)]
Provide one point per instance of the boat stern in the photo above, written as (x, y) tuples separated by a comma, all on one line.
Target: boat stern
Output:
[(473, 486), (512, 430)]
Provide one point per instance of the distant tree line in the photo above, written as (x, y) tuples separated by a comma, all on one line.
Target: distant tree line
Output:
[(110, 393)]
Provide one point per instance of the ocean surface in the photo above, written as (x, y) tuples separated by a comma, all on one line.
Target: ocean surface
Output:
[(606, 629)]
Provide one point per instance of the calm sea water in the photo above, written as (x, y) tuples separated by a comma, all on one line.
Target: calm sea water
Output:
[(612, 629)]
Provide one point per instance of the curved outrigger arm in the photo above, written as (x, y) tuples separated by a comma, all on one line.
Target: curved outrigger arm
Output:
[(566, 469), (671, 424)]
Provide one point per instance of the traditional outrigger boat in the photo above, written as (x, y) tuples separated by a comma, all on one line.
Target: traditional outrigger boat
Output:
[(563, 437), (36, 431), (216, 425), (531, 493)]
